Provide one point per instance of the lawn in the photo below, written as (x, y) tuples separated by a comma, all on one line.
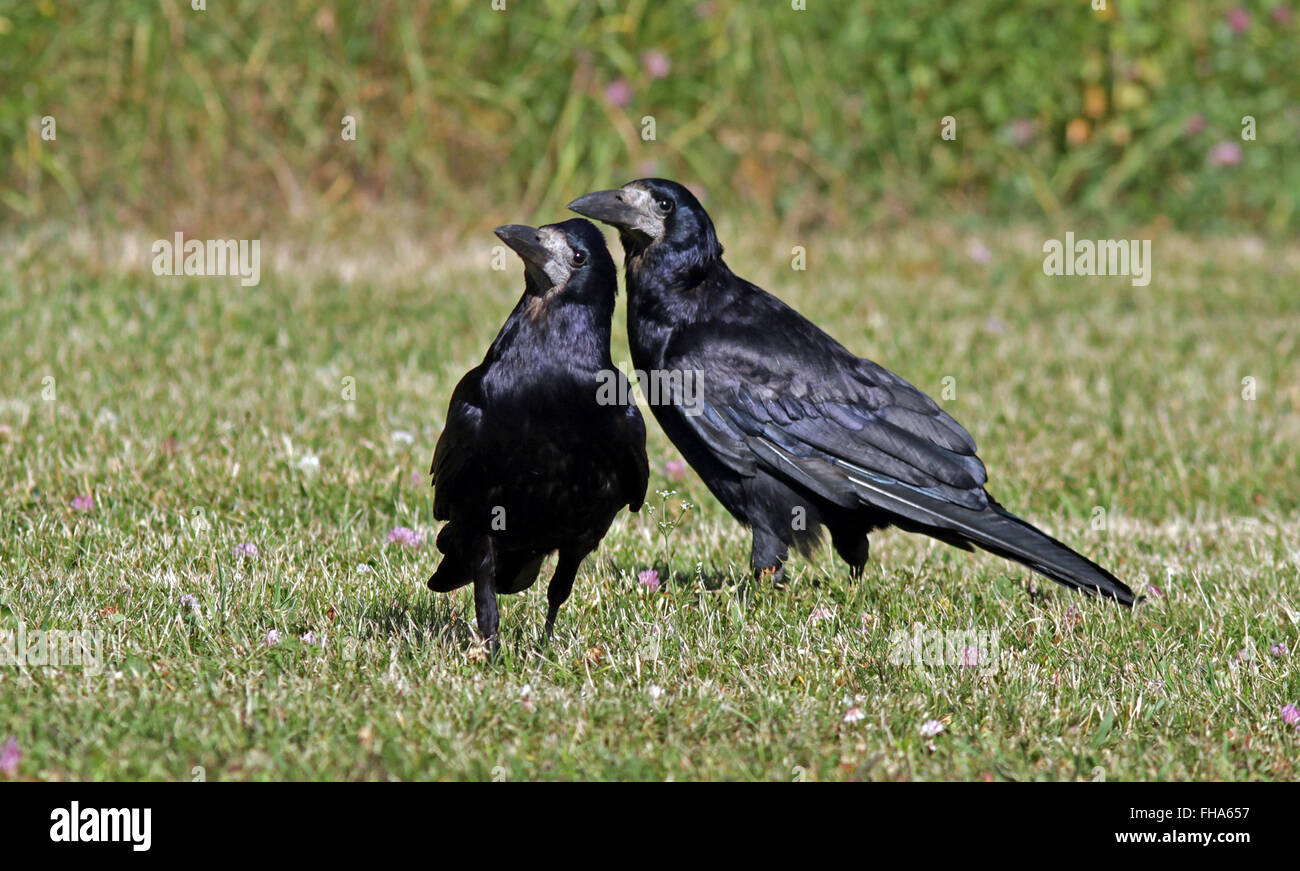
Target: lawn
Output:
[(247, 453)]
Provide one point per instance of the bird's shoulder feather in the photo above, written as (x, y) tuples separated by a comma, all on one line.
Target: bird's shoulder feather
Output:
[(766, 373)]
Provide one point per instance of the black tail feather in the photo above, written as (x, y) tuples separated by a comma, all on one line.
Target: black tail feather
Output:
[(993, 529), (516, 571), (1001, 532), (453, 572)]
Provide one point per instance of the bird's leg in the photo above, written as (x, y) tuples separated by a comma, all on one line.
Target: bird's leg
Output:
[(485, 592), (561, 585), (768, 556)]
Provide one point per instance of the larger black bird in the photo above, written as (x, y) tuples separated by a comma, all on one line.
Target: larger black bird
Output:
[(789, 429), (531, 460)]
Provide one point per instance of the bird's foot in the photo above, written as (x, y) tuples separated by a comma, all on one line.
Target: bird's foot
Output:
[(485, 650)]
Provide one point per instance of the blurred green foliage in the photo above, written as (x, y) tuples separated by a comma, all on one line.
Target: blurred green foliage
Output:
[(231, 117)]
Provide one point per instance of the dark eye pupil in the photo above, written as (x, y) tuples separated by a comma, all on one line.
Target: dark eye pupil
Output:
[(579, 257), (666, 205)]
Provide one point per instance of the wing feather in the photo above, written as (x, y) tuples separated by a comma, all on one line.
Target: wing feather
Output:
[(454, 457), (824, 418)]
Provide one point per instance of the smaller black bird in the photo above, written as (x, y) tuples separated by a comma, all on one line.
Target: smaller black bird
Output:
[(535, 457)]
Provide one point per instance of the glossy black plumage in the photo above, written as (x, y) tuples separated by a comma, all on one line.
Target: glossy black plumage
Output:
[(531, 460), (790, 430)]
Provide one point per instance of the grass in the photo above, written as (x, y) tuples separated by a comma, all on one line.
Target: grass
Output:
[(186, 408), (232, 117)]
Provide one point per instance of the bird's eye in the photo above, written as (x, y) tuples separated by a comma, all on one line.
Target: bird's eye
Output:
[(579, 257), (665, 205)]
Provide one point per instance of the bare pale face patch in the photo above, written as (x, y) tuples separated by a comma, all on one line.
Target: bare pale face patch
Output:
[(558, 269), (559, 266), (649, 217)]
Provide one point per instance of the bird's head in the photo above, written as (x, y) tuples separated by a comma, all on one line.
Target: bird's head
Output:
[(652, 213), (568, 260)]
